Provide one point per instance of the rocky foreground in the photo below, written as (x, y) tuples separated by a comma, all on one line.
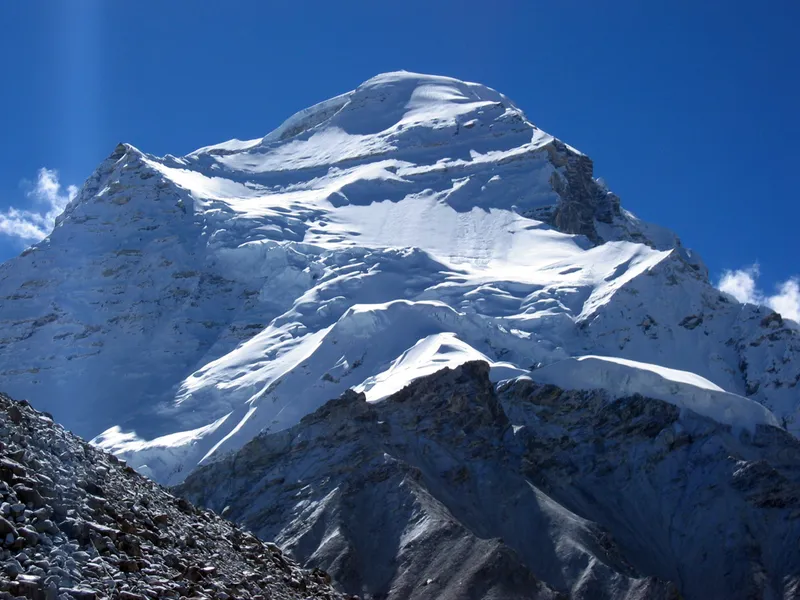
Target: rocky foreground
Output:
[(76, 523)]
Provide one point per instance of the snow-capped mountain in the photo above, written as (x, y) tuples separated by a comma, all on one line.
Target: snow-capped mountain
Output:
[(182, 305)]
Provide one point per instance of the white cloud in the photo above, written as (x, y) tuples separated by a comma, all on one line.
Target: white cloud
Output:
[(787, 300), (48, 201), (741, 284)]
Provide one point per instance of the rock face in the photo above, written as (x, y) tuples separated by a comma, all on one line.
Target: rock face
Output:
[(77, 524), (453, 489), (184, 304)]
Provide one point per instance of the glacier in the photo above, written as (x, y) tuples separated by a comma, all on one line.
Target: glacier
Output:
[(184, 305)]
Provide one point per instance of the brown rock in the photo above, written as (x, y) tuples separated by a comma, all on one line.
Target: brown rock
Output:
[(14, 414), (29, 535), (129, 566), (321, 575), (29, 495), (80, 593), (130, 545), (12, 467), (7, 527), (95, 490)]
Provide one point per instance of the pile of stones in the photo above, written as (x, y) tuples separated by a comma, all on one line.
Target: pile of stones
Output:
[(78, 524)]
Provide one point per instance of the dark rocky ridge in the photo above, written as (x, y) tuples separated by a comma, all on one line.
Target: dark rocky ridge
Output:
[(451, 489), (76, 523), (582, 201)]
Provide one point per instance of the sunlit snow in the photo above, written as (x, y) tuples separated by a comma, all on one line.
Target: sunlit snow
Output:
[(371, 239)]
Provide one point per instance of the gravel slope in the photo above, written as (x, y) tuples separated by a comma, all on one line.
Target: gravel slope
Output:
[(79, 524)]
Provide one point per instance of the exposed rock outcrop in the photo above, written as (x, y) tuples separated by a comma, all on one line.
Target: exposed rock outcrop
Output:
[(583, 496)]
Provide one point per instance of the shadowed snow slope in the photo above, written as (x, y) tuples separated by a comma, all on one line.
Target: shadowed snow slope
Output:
[(182, 305), (622, 377)]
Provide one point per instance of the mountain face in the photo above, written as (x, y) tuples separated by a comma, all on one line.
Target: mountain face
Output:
[(77, 524), (455, 488), (183, 305), (535, 393)]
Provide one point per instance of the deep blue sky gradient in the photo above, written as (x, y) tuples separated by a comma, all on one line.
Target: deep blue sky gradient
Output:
[(689, 109)]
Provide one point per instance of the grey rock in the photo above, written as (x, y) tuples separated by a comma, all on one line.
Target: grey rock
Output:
[(29, 586), (45, 526), (43, 513), (12, 567)]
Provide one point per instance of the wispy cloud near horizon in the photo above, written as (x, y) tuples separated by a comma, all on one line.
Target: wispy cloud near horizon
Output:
[(743, 285), (48, 199)]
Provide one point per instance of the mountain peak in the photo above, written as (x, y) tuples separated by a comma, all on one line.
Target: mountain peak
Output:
[(196, 300), (462, 127), (413, 90), (385, 102)]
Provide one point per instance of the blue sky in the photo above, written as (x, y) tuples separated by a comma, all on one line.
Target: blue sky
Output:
[(689, 109)]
